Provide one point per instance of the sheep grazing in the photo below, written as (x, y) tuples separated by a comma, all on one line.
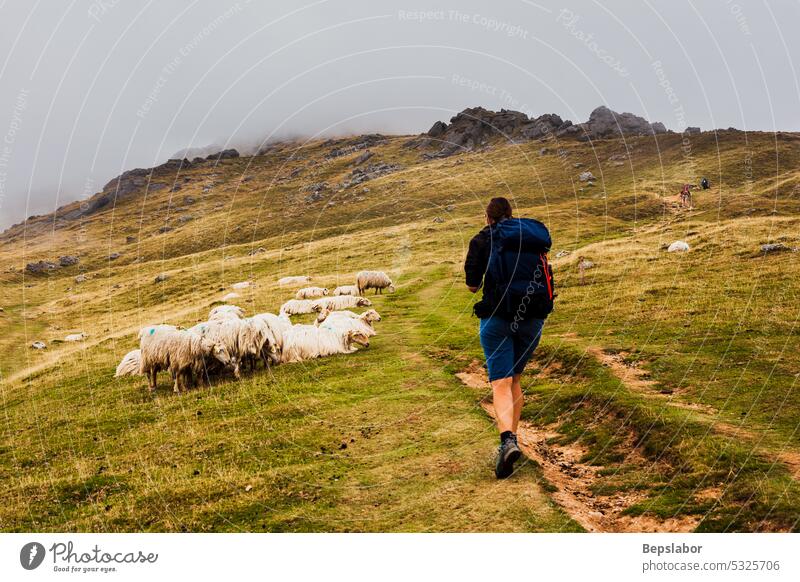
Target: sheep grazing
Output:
[(131, 364), (346, 320), (297, 307), (242, 285), (339, 302), (241, 338), (346, 290), (311, 292), (225, 312), (273, 327), (231, 297), (294, 281), (377, 280), (147, 334), (184, 354), (76, 337), (305, 342)]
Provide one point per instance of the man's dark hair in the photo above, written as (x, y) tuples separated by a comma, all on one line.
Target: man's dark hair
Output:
[(498, 209)]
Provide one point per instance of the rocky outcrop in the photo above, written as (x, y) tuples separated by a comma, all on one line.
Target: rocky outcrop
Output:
[(604, 123), (475, 127)]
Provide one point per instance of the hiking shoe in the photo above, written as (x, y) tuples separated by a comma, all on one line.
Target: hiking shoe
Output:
[(507, 455)]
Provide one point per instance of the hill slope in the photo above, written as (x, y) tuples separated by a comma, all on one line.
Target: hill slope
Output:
[(665, 387)]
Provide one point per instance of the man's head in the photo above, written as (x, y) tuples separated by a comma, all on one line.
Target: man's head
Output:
[(498, 209)]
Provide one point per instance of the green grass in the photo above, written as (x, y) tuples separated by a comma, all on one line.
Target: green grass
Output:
[(387, 439)]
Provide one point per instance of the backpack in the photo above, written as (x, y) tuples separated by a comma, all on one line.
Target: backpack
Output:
[(520, 274)]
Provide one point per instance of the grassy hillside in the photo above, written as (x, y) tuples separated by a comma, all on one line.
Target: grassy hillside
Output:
[(672, 378)]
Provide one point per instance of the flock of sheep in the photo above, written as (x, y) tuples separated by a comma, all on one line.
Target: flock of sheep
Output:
[(229, 340)]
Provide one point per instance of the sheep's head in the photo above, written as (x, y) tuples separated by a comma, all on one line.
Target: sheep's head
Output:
[(325, 291), (323, 314), (390, 288), (221, 354), (370, 316), (358, 337), (317, 307), (363, 302)]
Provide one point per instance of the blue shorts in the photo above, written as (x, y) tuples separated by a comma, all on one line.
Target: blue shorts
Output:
[(507, 350)]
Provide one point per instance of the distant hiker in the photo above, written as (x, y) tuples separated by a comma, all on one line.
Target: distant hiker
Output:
[(704, 184), (509, 259), (686, 195)]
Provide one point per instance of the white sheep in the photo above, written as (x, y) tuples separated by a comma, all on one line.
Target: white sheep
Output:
[(304, 342), (76, 337), (131, 364), (346, 290), (297, 307), (294, 280), (225, 312), (345, 320), (242, 340), (242, 285), (339, 302), (231, 297), (311, 292), (184, 354), (377, 280), (147, 334), (272, 326)]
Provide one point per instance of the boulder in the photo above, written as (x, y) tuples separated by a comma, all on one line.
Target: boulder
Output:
[(161, 277), (68, 260), (39, 345), (40, 267), (114, 256), (678, 247), (80, 278), (585, 176), (774, 248), (692, 130), (224, 155), (438, 129)]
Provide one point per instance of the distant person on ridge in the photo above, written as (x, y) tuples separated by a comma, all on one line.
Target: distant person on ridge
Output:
[(686, 195), (704, 184), (509, 259)]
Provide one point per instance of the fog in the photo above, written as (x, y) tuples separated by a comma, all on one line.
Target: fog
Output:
[(90, 89)]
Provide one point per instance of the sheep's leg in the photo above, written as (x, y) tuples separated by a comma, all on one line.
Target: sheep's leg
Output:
[(152, 376), (177, 386), (236, 371)]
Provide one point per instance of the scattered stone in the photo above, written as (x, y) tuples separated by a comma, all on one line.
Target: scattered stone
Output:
[(40, 267), (438, 220), (577, 165), (165, 229), (678, 246), (130, 240), (544, 151), (450, 207), (68, 260), (563, 253), (257, 251), (185, 218), (248, 488), (38, 345), (363, 158), (161, 277), (585, 176), (114, 256), (189, 200), (775, 248)]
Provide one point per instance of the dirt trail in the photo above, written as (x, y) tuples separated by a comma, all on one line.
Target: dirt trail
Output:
[(637, 380), (573, 480)]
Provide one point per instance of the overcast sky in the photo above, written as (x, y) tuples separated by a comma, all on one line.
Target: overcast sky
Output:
[(90, 89)]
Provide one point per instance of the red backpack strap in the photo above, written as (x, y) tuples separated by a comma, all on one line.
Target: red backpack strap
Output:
[(547, 275)]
